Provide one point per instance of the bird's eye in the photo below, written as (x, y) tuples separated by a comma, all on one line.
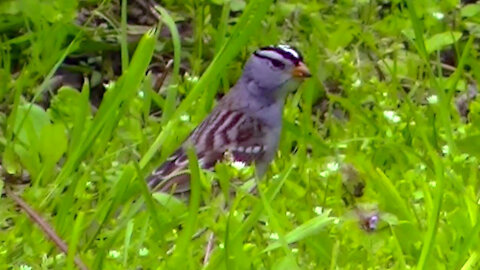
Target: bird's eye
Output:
[(277, 63)]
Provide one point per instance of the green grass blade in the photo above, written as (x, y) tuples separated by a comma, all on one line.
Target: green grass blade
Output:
[(182, 245), (74, 240), (307, 229), (126, 244), (123, 36), (170, 101)]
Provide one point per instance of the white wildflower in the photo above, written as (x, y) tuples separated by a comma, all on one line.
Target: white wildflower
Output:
[(185, 117), (274, 236), (89, 185), (438, 15), (109, 85), (333, 166), (238, 165), (445, 150), (357, 83), (192, 79), (113, 254), (433, 99), (324, 173), (143, 252), (392, 116)]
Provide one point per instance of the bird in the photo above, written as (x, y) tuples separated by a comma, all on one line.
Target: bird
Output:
[(245, 124)]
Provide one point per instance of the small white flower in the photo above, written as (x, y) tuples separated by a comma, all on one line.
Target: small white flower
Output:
[(185, 117), (433, 99), (143, 252), (392, 116), (289, 214), (192, 79), (318, 210), (333, 166), (438, 15), (109, 85), (25, 267), (357, 83), (141, 94), (445, 150), (274, 236), (113, 254), (46, 260), (90, 185), (324, 173), (238, 165)]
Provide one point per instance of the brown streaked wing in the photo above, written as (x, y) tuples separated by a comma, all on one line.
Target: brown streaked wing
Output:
[(230, 130), (175, 163), (247, 140)]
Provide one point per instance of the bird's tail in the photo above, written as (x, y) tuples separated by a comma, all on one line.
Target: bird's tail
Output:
[(171, 175)]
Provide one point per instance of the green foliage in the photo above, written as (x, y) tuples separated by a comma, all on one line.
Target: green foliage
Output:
[(390, 79)]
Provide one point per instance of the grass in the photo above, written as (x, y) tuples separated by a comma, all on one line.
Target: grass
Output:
[(381, 111)]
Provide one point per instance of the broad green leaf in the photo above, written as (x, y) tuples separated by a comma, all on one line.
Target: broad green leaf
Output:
[(237, 5), (10, 161), (307, 229), (470, 10), (470, 145), (53, 143), (439, 41), (34, 118), (64, 104)]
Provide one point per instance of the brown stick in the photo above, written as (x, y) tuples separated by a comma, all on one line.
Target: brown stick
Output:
[(208, 249), (46, 228)]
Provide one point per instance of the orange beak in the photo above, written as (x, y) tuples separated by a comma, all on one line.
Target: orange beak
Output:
[(301, 71)]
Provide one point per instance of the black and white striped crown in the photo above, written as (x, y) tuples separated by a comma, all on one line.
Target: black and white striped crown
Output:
[(285, 51)]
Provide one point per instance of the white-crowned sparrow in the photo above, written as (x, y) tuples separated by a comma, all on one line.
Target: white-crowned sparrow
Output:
[(245, 123)]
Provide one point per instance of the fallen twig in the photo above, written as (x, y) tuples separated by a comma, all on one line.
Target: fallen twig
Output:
[(208, 248), (46, 228)]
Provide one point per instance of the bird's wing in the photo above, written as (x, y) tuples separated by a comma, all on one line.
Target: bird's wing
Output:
[(232, 131)]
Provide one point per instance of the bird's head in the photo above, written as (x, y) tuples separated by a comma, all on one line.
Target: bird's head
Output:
[(278, 69)]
